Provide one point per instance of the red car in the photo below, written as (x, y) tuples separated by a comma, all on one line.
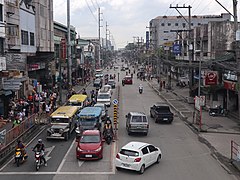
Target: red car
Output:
[(128, 80), (90, 145)]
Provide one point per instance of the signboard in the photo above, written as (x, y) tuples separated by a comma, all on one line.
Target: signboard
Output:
[(115, 101), (177, 49), (63, 49), (230, 85), (147, 40), (211, 78)]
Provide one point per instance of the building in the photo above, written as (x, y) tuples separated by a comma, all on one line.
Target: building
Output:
[(161, 27)]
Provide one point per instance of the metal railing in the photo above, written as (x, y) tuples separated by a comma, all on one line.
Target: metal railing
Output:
[(235, 151)]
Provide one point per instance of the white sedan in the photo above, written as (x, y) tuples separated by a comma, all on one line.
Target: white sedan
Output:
[(137, 156), (106, 89)]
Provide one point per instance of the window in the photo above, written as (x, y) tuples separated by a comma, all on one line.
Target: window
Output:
[(137, 119), (199, 24), (191, 24), (165, 31), (1, 12), (151, 148), (144, 119), (169, 24), (184, 25), (162, 24), (12, 30), (24, 37), (176, 24), (41, 10), (145, 150), (1, 46), (32, 43), (165, 39), (129, 152)]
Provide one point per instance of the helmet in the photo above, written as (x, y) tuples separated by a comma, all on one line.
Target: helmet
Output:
[(39, 140), (19, 141)]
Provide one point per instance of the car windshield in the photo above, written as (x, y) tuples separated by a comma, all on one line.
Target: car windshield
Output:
[(163, 109), (99, 106), (90, 139), (103, 96), (110, 82), (59, 120), (74, 103), (129, 152), (137, 119)]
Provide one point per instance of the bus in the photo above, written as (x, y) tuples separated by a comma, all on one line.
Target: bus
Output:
[(63, 122), (89, 118), (78, 100)]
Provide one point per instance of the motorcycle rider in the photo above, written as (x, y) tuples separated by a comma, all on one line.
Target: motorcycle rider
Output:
[(107, 125), (140, 88), (40, 148), (21, 146)]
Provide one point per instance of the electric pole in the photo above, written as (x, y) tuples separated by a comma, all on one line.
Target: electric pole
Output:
[(189, 43), (106, 36), (69, 60), (99, 36)]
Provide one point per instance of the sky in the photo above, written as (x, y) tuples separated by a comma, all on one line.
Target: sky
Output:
[(127, 19)]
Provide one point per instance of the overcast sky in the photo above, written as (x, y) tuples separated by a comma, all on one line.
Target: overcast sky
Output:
[(127, 18)]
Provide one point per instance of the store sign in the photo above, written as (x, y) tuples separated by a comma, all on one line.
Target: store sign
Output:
[(230, 85), (147, 39), (63, 49), (211, 78)]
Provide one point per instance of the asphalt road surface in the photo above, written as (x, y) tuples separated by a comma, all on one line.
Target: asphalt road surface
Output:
[(184, 157)]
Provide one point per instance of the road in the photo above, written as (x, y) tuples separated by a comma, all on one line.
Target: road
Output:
[(184, 157)]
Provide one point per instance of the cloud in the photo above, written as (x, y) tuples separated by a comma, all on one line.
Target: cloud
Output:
[(127, 18)]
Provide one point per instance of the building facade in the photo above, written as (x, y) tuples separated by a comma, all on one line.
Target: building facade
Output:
[(161, 27)]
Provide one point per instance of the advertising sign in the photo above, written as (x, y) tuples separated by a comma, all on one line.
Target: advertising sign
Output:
[(147, 39), (177, 49), (230, 85), (63, 49), (211, 78)]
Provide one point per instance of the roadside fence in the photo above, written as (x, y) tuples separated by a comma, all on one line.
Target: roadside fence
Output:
[(235, 151)]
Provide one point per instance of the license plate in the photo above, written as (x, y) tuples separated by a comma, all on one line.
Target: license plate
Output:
[(165, 119), (88, 155), (126, 165)]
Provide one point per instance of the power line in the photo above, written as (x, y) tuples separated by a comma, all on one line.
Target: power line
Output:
[(91, 11), (93, 5), (97, 3)]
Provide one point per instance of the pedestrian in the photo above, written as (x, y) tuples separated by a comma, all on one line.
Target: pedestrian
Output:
[(47, 109), (164, 83), (16, 122)]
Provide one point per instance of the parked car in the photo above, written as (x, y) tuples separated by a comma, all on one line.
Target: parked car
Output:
[(161, 112), (104, 98), (137, 156), (90, 145), (128, 80), (137, 122), (112, 83), (104, 110)]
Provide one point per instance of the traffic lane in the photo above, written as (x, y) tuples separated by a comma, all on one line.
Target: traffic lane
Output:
[(24, 177), (184, 157), (72, 164), (55, 151)]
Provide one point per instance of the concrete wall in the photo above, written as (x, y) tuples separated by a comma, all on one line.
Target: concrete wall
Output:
[(27, 23)]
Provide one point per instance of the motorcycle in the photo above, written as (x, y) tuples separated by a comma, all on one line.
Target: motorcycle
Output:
[(140, 90), (38, 159), (19, 157), (108, 136), (217, 111)]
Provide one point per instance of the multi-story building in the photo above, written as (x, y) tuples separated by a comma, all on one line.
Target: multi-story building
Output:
[(161, 27)]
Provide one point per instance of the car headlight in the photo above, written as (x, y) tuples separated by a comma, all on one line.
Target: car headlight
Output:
[(79, 149), (61, 130), (98, 149)]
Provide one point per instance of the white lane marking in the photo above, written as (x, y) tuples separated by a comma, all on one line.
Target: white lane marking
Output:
[(26, 145), (48, 150), (56, 173), (80, 163), (65, 157), (113, 157)]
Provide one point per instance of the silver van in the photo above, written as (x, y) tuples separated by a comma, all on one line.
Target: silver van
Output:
[(137, 122)]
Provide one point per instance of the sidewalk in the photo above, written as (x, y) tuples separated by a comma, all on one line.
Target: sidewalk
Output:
[(77, 88), (216, 132)]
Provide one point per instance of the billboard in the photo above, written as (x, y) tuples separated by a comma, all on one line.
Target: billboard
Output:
[(211, 78), (147, 39)]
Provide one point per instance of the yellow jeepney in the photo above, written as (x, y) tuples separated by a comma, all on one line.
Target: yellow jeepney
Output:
[(63, 122), (78, 100)]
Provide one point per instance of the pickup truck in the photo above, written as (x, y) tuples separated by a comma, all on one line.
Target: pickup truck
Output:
[(161, 112)]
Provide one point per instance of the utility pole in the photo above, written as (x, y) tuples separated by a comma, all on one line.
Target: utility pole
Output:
[(189, 44), (99, 35), (69, 60), (106, 36)]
